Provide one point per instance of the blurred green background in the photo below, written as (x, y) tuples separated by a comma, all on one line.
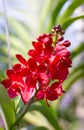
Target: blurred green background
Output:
[(21, 22)]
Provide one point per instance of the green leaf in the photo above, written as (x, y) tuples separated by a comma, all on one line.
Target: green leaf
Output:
[(44, 13), (79, 49), (69, 21), (6, 109), (20, 30), (79, 67), (47, 112), (40, 128), (69, 11), (1, 129), (17, 102), (76, 74), (16, 44), (55, 13)]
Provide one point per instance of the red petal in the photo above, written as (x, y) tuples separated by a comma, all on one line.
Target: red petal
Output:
[(11, 74), (40, 95), (32, 64), (59, 90), (47, 41), (31, 52), (48, 50), (12, 93), (43, 78), (6, 83), (62, 75), (55, 85), (38, 46), (17, 88), (27, 94), (24, 72), (59, 47), (21, 59), (51, 94), (30, 82), (41, 68), (34, 53), (16, 67)]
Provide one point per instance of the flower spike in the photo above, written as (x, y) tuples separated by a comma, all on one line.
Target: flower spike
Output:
[(42, 74)]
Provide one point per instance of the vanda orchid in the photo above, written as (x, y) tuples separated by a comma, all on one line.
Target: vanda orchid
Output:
[(40, 77), (42, 74)]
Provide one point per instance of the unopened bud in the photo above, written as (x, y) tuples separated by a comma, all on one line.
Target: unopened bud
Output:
[(58, 27), (62, 32), (60, 38), (67, 43)]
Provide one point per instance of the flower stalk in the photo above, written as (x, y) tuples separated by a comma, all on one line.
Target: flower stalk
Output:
[(22, 113)]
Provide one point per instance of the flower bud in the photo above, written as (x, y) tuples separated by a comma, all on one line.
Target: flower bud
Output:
[(60, 38), (62, 32), (66, 43)]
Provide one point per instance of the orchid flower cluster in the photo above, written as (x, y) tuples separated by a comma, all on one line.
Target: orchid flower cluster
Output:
[(41, 76)]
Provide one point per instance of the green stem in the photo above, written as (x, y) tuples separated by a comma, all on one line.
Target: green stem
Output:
[(21, 114)]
